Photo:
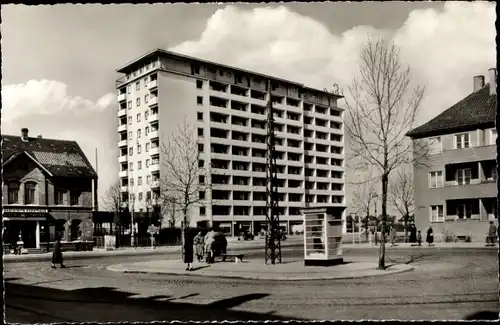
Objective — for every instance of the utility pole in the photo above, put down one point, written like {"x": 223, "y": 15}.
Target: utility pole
{"x": 273, "y": 245}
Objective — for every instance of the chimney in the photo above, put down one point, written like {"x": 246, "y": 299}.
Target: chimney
{"x": 24, "y": 134}
{"x": 478, "y": 82}
{"x": 492, "y": 74}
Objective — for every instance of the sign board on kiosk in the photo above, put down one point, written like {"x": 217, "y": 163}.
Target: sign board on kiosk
{"x": 323, "y": 236}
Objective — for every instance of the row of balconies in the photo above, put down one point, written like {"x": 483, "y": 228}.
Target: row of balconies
{"x": 153, "y": 169}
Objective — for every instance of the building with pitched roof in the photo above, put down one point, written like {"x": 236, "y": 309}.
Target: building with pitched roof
{"x": 49, "y": 187}
{"x": 455, "y": 189}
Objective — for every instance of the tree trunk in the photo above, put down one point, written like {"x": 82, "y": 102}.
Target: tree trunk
{"x": 381, "y": 259}
{"x": 406, "y": 227}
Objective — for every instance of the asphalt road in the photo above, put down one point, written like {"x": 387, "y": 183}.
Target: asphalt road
{"x": 446, "y": 284}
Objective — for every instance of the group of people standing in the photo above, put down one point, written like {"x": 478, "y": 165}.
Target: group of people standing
{"x": 415, "y": 236}
{"x": 199, "y": 245}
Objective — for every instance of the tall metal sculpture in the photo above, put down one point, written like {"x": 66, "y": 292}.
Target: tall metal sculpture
{"x": 273, "y": 236}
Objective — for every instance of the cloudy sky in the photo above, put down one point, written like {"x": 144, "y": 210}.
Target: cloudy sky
{"x": 59, "y": 62}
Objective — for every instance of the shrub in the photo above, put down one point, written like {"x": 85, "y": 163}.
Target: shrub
{"x": 468, "y": 239}
{"x": 448, "y": 236}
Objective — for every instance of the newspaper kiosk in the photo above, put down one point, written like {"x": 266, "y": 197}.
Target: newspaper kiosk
{"x": 323, "y": 236}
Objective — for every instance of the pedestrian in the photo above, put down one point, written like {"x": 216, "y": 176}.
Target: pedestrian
{"x": 430, "y": 236}
{"x": 393, "y": 235}
{"x": 375, "y": 234}
{"x": 413, "y": 234}
{"x": 188, "y": 251}
{"x": 209, "y": 240}
{"x": 57, "y": 257}
{"x": 199, "y": 243}
{"x": 419, "y": 238}
{"x": 370, "y": 238}
{"x": 492, "y": 234}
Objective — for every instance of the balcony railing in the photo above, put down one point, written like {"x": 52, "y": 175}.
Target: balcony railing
{"x": 121, "y": 98}
{"x": 154, "y": 151}
{"x": 122, "y": 159}
{"x": 122, "y": 143}
{"x": 123, "y": 174}
{"x": 154, "y": 168}
{"x": 122, "y": 128}
{"x": 153, "y": 135}
{"x": 124, "y": 188}
{"x": 153, "y": 118}
{"x": 153, "y": 101}
{"x": 155, "y": 184}
{"x": 122, "y": 112}
{"x": 153, "y": 84}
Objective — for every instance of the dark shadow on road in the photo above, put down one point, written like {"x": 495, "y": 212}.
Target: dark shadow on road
{"x": 33, "y": 304}
{"x": 200, "y": 267}
{"x": 483, "y": 315}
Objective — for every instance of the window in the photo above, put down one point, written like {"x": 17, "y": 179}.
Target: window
{"x": 199, "y": 100}
{"x": 138, "y": 101}
{"x": 13, "y": 192}
{"x": 435, "y": 145}
{"x": 146, "y": 114}
{"x": 148, "y": 179}
{"x": 147, "y": 146}
{"x": 137, "y": 85}
{"x": 130, "y": 135}
{"x": 464, "y": 210}
{"x": 131, "y": 181}
{"x": 138, "y": 117}
{"x": 138, "y": 149}
{"x": 201, "y": 179}
{"x": 130, "y": 120}
{"x": 129, "y": 104}
{"x": 463, "y": 176}
{"x": 200, "y": 147}
{"x": 199, "y": 84}
{"x": 436, "y": 179}
{"x": 140, "y": 196}
{"x": 437, "y": 214}
{"x": 138, "y": 133}
{"x": 146, "y": 81}
{"x": 146, "y": 98}
{"x": 139, "y": 165}
{"x": 202, "y": 211}
{"x": 462, "y": 140}
{"x": 147, "y": 130}
{"x": 139, "y": 180}
{"x": 147, "y": 162}
{"x": 131, "y": 167}
{"x": 59, "y": 197}
{"x": 129, "y": 88}
{"x": 75, "y": 197}
{"x": 200, "y": 132}
{"x": 130, "y": 151}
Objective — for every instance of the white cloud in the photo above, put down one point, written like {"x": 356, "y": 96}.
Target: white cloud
{"x": 45, "y": 108}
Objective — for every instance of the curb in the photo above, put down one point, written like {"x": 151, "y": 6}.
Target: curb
{"x": 406, "y": 268}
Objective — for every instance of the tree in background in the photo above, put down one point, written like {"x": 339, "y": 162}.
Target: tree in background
{"x": 401, "y": 195}
{"x": 112, "y": 201}
{"x": 364, "y": 197}
{"x": 381, "y": 109}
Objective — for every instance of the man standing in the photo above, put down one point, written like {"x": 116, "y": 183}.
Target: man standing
{"x": 492, "y": 234}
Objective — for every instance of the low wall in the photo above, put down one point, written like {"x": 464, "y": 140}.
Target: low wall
{"x": 477, "y": 230}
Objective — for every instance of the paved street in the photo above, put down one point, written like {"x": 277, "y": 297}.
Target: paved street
{"x": 445, "y": 284}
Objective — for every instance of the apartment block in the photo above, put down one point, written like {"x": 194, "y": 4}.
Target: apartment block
{"x": 162, "y": 90}
{"x": 456, "y": 190}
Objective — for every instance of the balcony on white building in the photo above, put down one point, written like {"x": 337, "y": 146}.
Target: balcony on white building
{"x": 122, "y": 143}
{"x": 124, "y": 188}
{"x": 122, "y": 159}
{"x": 122, "y": 112}
{"x": 122, "y": 98}
{"x": 153, "y": 118}
{"x": 122, "y": 128}
{"x": 153, "y": 101}
{"x": 155, "y": 185}
{"x": 153, "y": 84}
{"x": 153, "y": 135}
{"x": 154, "y": 151}
{"x": 154, "y": 168}
{"x": 123, "y": 174}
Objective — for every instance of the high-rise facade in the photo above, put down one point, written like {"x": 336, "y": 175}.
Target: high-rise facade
{"x": 162, "y": 90}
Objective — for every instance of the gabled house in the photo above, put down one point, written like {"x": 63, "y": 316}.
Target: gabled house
{"x": 49, "y": 187}
{"x": 456, "y": 190}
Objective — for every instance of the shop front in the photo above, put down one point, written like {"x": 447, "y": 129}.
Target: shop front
{"x": 28, "y": 225}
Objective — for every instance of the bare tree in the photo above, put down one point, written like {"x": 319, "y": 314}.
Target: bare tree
{"x": 364, "y": 196}
{"x": 382, "y": 108}
{"x": 401, "y": 194}
{"x": 181, "y": 186}
{"x": 112, "y": 200}
{"x": 170, "y": 210}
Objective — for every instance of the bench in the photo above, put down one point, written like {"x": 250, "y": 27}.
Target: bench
{"x": 238, "y": 258}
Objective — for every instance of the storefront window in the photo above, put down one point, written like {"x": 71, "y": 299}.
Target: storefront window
{"x": 29, "y": 193}
{"x": 13, "y": 192}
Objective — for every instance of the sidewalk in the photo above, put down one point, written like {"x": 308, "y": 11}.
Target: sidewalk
{"x": 388, "y": 246}
{"x": 292, "y": 270}
{"x": 130, "y": 251}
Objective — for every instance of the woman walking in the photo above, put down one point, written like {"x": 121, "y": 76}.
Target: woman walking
{"x": 57, "y": 257}
{"x": 393, "y": 234}
{"x": 430, "y": 236}
{"x": 199, "y": 243}
{"x": 188, "y": 251}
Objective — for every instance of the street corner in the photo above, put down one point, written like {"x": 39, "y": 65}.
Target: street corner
{"x": 258, "y": 270}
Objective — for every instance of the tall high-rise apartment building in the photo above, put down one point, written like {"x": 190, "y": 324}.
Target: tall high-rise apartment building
{"x": 162, "y": 90}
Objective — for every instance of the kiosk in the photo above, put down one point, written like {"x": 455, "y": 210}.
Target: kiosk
{"x": 323, "y": 236}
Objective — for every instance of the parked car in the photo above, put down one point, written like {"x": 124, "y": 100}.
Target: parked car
{"x": 246, "y": 235}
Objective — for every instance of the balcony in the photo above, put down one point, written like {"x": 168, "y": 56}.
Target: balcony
{"x": 122, "y": 98}
{"x": 153, "y": 101}
{"x": 153, "y": 118}
{"x": 153, "y": 84}
{"x": 122, "y": 159}
{"x": 154, "y": 168}
{"x": 123, "y": 174}
{"x": 124, "y": 188}
{"x": 469, "y": 191}
{"x": 153, "y": 135}
{"x": 154, "y": 151}
{"x": 122, "y": 128}
{"x": 155, "y": 185}
{"x": 122, "y": 143}
{"x": 122, "y": 112}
